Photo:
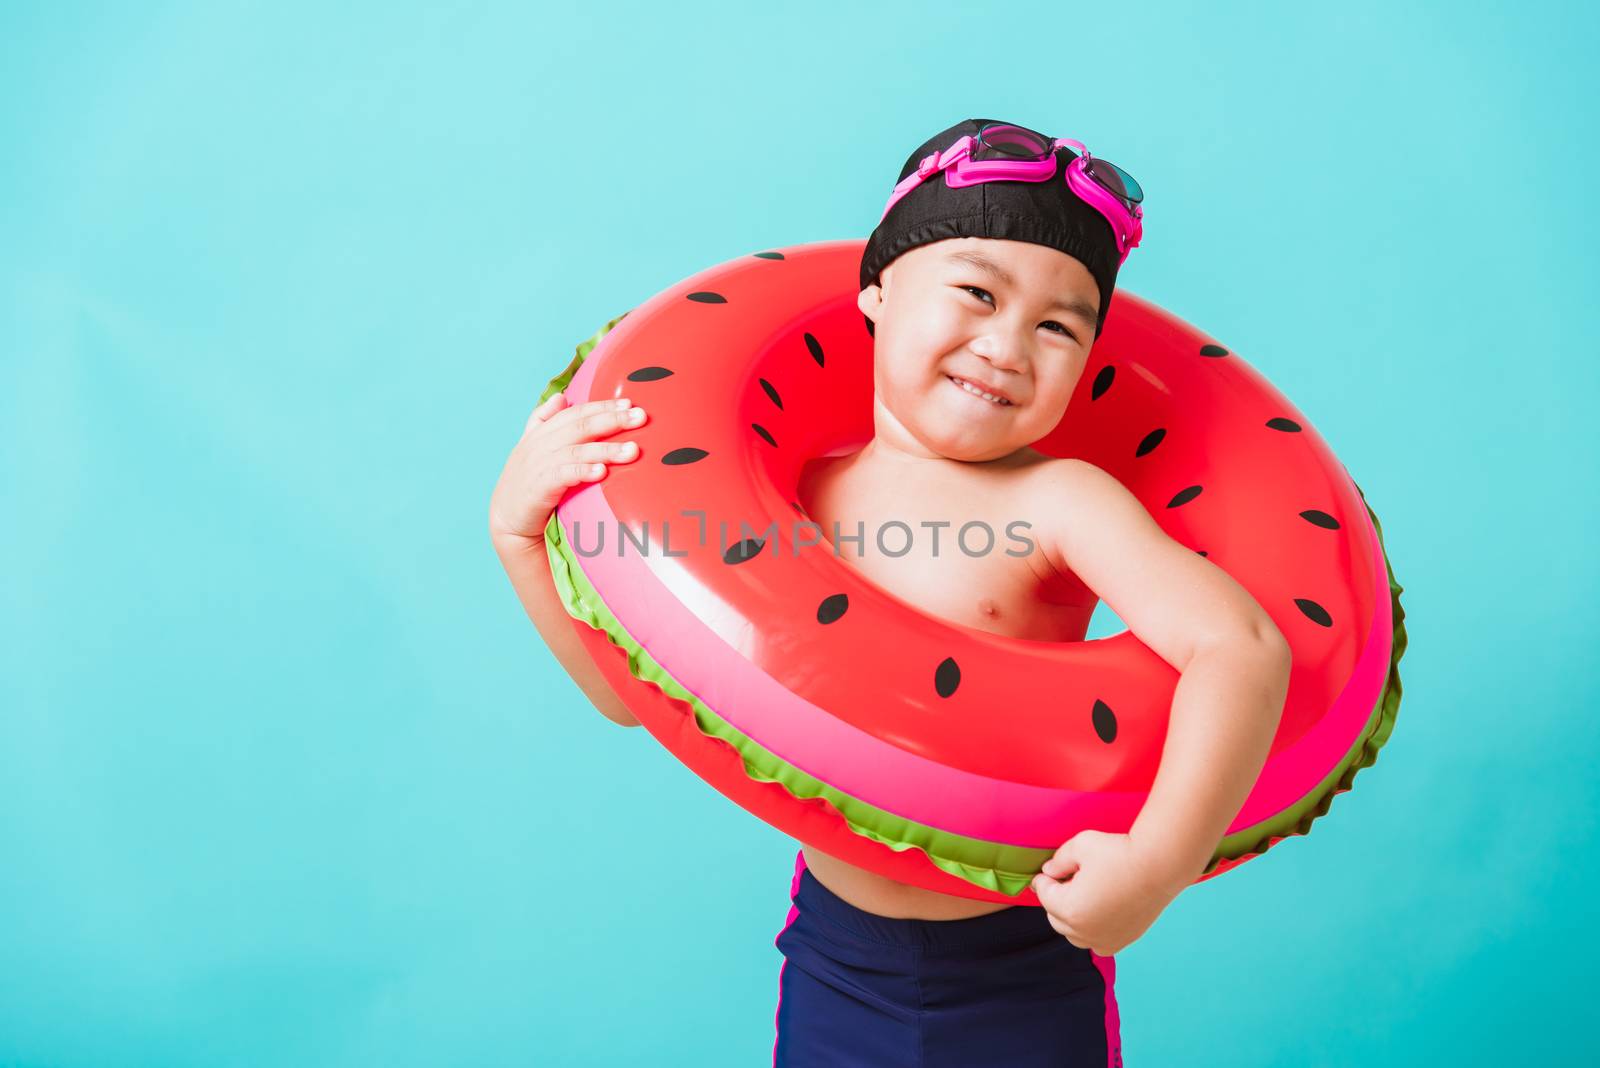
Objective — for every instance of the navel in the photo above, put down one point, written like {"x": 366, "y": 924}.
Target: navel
{"x": 989, "y": 608}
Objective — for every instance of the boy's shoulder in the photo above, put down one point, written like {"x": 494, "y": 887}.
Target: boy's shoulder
{"x": 1085, "y": 509}
{"x": 1076, "y": 483}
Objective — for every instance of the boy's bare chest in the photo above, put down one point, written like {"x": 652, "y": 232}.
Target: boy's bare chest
{"x": 966, "y": 551}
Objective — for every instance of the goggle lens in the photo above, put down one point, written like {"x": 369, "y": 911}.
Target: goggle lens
{"x": 1118, "y": 182}
{"x": 1000, "y": 141}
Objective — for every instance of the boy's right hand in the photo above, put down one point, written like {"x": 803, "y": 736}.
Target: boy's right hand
{"x": 558, "y": 450}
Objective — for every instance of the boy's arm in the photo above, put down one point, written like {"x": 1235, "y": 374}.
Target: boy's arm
{"x": 1232, "y": 659}
{"x": 528, "y": 566}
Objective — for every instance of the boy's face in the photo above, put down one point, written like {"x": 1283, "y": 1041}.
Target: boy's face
{"x": 939, "y": 316}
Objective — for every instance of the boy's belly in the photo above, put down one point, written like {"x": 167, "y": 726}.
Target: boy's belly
{"x": 885, "y": 897}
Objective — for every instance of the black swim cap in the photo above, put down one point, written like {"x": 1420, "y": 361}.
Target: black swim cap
{"x": 1044, "y": 213}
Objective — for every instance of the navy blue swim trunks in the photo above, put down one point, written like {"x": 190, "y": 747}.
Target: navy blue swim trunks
{"x": 859, "y": 990}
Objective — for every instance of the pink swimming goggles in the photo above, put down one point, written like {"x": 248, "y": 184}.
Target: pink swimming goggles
{"x": 1002, "y": 152}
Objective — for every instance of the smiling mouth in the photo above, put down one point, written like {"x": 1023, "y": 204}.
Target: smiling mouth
{"x": 974, "y": 391}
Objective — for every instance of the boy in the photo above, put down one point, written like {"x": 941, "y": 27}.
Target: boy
{"x": 984, "y": 298}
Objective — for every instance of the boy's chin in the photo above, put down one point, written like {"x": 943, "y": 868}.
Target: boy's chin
{"x": 972, "y": 448}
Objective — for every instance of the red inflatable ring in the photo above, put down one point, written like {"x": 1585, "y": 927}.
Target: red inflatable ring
{"x": 933, "y": 753}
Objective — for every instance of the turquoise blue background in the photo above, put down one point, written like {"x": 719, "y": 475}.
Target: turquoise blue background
{"x": 288, "y": 778}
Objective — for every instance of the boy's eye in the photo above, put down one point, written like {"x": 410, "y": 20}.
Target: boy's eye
{"x": 1064, "y": 331}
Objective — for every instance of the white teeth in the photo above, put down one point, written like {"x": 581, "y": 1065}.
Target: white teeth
{"x": 975, "y": 391}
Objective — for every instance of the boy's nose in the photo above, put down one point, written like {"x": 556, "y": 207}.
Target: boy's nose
{"x": 1002, "y": 355}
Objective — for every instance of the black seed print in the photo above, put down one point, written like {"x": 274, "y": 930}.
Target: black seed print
{"x": 770, "y": 255}
{"x": 1184, "y": 496}
{"x": 1202, "y": 552}
{"x": 816, "y": 348}
{"x": 1105, "y": 721}
{"x": 1314, "y": 611}
{"x": 832, "y": 608}
{"x": 686, "y": 455}
{"x": 759, "y": 429}
{"x": 648, "y": 374}
{"x": 1102, "y": 381}
{"x": 1321, "y": 519}
{"x": 771, "y": 393}
{"x": 946, "y": 677}
{"x": 1288, "y": 426}
{"x": 1213, "y": 350}
{"x": 745, "y": 550}
{"x": 1150, "y": 440}
{"x": 708, "y": 297}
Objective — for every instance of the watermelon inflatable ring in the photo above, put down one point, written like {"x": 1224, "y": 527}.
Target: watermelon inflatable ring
{"x": 929, "y": 752}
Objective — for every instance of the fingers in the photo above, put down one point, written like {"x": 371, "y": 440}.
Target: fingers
{"x": 555, "y": 454}
{"x": 586, "y": 461}
{"x": 593, "y": 419}
{"x": 1065, "y": 860}
{"x": 1065, "y": 930}
{"x": 1061, "y": 926}
{"x": 574, "y": 473}
{"x": 617, "y": 452}
{"x": 557, "y": 450}
{"x": 1060, "y": 868}
{"x": 1047, "y": 889}
{"x": 551, "y": 405}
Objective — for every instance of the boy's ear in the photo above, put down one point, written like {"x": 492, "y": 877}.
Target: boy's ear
{"x": 869, "y": 300}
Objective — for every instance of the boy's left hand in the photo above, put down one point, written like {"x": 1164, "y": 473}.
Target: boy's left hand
{"x": 1115, "y": 891}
